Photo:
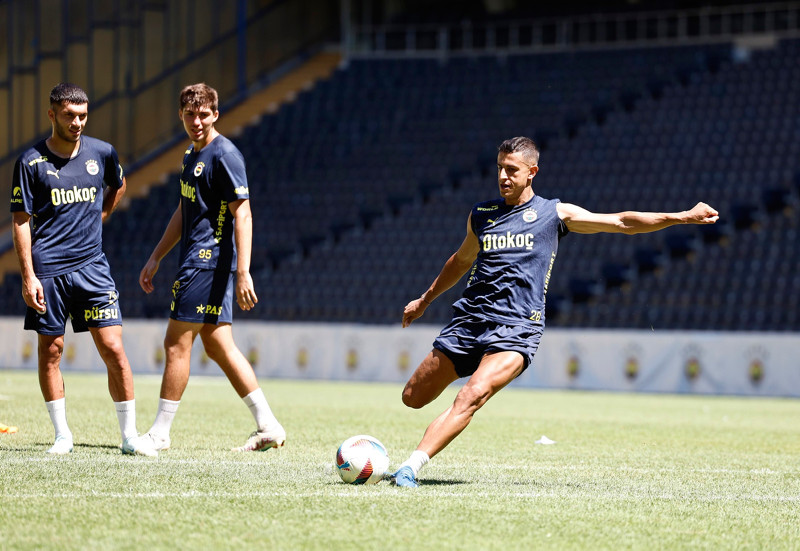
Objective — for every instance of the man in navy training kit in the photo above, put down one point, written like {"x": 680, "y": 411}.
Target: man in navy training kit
{"x": 215, "y": 228}
{"x": 64, "y": 187}
{"x": 510, "y": 246}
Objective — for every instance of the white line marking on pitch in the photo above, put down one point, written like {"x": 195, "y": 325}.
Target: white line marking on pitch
{"x": 532, "y": 469}
{"x": 623, "y": 468}
{"x": 366, "y": 495}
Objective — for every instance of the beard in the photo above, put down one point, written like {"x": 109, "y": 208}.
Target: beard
{"x": 63, "y": 133}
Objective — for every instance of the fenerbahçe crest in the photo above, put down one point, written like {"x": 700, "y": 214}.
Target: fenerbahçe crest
{"x": 92, "y": 167}
{"x": 198, "y": 169}
{"x": 529, "y": 215}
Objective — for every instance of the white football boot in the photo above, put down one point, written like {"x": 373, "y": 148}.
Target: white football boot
{"x": 136, "y": 445}
{"x": 262, "y": 441}
{"x": 62, "y": 446}
{"x": 158, "y": 443}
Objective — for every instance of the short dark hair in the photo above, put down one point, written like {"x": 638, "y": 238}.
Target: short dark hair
{"x": 66, "y": 92}
{"x": 199, "y": 95}
{"x": 521, "y": 144}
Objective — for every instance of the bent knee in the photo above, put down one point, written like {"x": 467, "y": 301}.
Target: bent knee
{"x": 216, "y": 355}
{"x": 472, "y": 397}
{"x": 413, "y": 399}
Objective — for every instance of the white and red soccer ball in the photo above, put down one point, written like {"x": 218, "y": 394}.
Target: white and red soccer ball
{"x": 362, "y": 459}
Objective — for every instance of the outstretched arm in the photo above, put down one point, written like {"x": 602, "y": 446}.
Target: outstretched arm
{"x": 580, "y": 220}
{"x": 452, "y": 271}
{"x": 172, "y": 234}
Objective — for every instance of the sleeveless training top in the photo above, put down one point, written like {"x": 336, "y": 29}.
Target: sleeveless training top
{"x": 518, "y": 245}
{"x": 65, "y": 200}
{"x": 210, "y": 180}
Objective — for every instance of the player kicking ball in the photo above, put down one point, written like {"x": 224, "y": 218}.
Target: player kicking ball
{"x": 214, "y": 226}
{"x": 510, "y": 247}
{"x": 64, "y": 188}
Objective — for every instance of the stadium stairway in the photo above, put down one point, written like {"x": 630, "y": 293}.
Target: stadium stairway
{"x": 232, "y": 123}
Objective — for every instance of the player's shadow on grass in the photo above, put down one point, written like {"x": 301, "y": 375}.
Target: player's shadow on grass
{"x": 424, "y": 482}
{"x": 47, "y": 445}
{"x": 97, "y": 446}
{"x": 441, "y": 482}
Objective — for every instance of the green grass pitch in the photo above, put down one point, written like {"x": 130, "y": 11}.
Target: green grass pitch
{"x": 627, "y": 472}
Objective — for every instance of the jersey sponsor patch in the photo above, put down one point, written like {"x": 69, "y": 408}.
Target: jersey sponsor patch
{"x": 96, "y": 314}
{"x": 494, "y": 242}
{"x": 223, "y": 208}
{"x": 59, "y": 196}
{"x": 37, "y": 160}
{"x": 188, "y": 191}
{"x": 16, "y": 195}
{"x": 209, "y": 309}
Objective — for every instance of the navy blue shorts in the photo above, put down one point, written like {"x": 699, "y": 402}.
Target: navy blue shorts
{"x": 87, "y": 295}
{"x": 202, "y": 296}
{"x": 465, "y": 342}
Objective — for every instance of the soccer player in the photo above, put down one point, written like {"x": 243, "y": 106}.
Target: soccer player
{"x": 64, "y": 187}
{"x": 509, "y": 249}
{"x": 214, "y": 225}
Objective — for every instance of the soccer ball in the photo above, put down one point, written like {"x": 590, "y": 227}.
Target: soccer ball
{"x": 362, "y": 459}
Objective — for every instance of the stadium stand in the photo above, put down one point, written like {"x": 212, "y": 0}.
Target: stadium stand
{"x": 361, "y": 187}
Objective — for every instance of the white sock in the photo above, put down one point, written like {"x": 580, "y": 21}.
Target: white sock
{"x": 416, "y": 460}
{"x": 126, "y": 415}
{"x": 58, "y": 415}
{"x": 257, "y": 403}
{"x": 164, "y": 417}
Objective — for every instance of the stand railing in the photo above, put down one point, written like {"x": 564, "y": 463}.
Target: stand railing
{"x": 594, "y": 31}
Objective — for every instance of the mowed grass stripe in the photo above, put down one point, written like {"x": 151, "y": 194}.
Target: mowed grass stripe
{"x": 628, "y": 472}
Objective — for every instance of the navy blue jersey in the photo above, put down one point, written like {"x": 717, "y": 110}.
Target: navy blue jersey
{"x": 518, "y": 246}
{"x": 210, "y": 180}
{"x": 65, "y": 200}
